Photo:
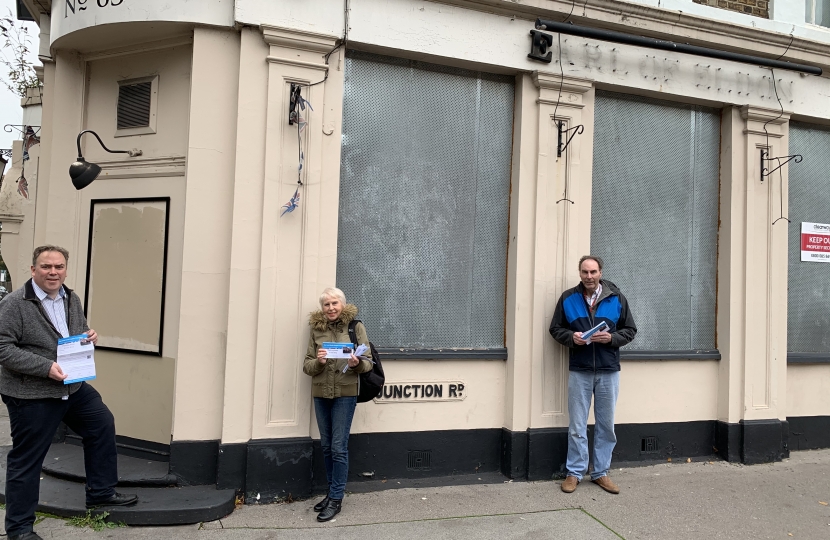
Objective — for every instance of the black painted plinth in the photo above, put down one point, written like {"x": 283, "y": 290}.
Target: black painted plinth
{"x": 764, "y": 441}
{"x": 278, "y": 469}
{"x": 66, "y": 461}
{"x": 547, "y": 450}
{"x": 728, "y": 441}
{"x": 809, "y": 432}
{"x": 194, "y": 462}
{"x": 232, "y": 466}
{"x": 514, "y": 453}
{"x": 753, "y": 441}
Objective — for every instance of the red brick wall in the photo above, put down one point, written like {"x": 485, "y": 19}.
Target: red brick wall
{"x": 759, "y": 8}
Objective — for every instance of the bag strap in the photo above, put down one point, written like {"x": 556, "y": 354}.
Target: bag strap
{"x": 352, "y": 333}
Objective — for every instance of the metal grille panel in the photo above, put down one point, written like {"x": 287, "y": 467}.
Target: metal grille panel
{"x": 808, "y": 317}
{"x": 424, "y": 188}
{"x": 654, "y": 215}
{"x": 134, "y": 105}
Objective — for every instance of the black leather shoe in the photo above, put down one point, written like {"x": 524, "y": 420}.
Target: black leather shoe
{"x": 320, "y": 506}
{"x": 116, "y": 500}
{"x": 24, "y": 536}
{"x": 330, "y": 511}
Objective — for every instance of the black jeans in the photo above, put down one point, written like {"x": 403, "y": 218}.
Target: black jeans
{"x": 33, "y": 424}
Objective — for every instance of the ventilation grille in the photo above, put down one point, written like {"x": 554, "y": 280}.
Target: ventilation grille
{"x": 418, "y": 460}
{"x": 648, "y": 445}
{"x": 134, "y": 105}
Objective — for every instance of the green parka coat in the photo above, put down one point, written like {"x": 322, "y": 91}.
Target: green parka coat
{"x": 328, "y": 380}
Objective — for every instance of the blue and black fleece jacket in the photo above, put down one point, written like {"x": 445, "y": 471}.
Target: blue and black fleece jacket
{"x": 573, "y": 314}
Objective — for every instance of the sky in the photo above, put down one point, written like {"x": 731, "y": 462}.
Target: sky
{"x": 10, "y": 111}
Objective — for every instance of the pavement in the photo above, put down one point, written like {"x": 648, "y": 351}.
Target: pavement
{"x": 673, "y": 501}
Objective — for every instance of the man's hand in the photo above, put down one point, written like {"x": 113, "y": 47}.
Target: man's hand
{"x": 92, "y": 336}
{"x": 56, "y": 373}
{"x": 321, "y": 356}
{"x": 601, "y": 337}
{"x": 578, "y": 339}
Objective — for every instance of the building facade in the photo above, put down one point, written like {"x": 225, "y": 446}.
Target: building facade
{"x": 447, "y": 176}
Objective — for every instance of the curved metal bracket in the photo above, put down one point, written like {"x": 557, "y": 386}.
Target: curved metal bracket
{"x": 21, "y": 128}
{"x": 781, "y": 162}
{"x": 560, "y": 127}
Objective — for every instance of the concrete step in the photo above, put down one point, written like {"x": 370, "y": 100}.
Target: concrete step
{"x": 66, "y": 461}
{"x": 156, "y": 505}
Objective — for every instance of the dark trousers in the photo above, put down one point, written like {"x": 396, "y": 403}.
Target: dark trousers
{"x": 33, "y": 425}
{"x": 334, "y": 418}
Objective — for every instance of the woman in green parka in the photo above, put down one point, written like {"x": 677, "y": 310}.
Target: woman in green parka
{"x": 334, "y": 389}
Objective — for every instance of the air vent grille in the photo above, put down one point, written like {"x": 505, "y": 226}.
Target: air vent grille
{"x": 418, "y": 460}
{"x": 134, "y": 105}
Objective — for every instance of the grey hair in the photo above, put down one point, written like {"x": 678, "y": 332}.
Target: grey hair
{"x": 332, "y": 292}
{"x": 590, "y": 258}
{"x": 43, "y": 249}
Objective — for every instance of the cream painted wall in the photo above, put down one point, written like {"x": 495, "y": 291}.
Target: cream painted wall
{"x": 482, "y": 408}
{"x": 211, "y": 161}
{"x": 808, "y": 388}
{"x": 172, "y": 65}
{"x": 139, "y": 392}
{"x": 667, "y": 391}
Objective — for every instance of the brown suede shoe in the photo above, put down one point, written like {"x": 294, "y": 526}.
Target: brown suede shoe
{"x": 605, "y": 483}
{"x": 569, "y": 485}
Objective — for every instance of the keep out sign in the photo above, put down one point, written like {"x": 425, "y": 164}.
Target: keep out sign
{"x": 815, "y": 242}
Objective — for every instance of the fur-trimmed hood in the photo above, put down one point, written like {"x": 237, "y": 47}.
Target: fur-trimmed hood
{"x": 317, "y": 319}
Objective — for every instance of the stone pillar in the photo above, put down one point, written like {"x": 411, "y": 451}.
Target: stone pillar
{"x": 203, "y": 315}
{"x": 752, "y": 295}
{"x": 298, "y": 254}
{"x": 562, "y": 235}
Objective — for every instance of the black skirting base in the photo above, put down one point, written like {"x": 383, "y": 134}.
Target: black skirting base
{"x": 282, "y": 469}
{"x": 753, "y": 441}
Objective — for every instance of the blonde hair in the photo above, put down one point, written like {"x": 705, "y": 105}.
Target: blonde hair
{"x": 332, "y": 292}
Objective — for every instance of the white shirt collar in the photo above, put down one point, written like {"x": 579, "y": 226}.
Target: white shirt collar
{"x": 42, "y": 295}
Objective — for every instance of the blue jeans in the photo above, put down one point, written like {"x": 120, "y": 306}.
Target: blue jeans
{"x": 604, "y": 386}
{"x": 33, "y": 424}
{"x": 334, "y": 418}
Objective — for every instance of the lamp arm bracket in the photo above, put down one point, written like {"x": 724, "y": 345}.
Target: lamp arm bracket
{"x": 80, "y": 156}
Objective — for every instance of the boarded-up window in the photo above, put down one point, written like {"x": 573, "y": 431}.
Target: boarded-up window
{"x": 654, "y": 215}
{"x": 126, "y": 273}
{"x": 424, "y": 195}
{"x": 808, "y": 316}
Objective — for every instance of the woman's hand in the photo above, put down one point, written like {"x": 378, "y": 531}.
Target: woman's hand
{"x": 321, "y": 356}
{"x": 353, "y": 361}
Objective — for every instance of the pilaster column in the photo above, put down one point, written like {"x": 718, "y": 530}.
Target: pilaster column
{"x": 562, "y": 235}
{"x": 298, "y": 251}
{"x": 752, "y": 313}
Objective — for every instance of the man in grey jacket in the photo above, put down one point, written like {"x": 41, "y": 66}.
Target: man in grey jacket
{"x": 32, "y": 319}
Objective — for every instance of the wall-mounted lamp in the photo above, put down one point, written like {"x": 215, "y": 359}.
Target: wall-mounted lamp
{"x": 82, "y": 172}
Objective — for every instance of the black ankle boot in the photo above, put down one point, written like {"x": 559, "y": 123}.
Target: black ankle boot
{"x": 320, "y": 506}
{"x": 330, "y": 511}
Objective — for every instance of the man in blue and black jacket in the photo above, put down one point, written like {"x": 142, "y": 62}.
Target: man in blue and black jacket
{"x": 594, "y": 368}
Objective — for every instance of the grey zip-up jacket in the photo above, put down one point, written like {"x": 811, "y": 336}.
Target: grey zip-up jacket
{"x": 29, "y": 344}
